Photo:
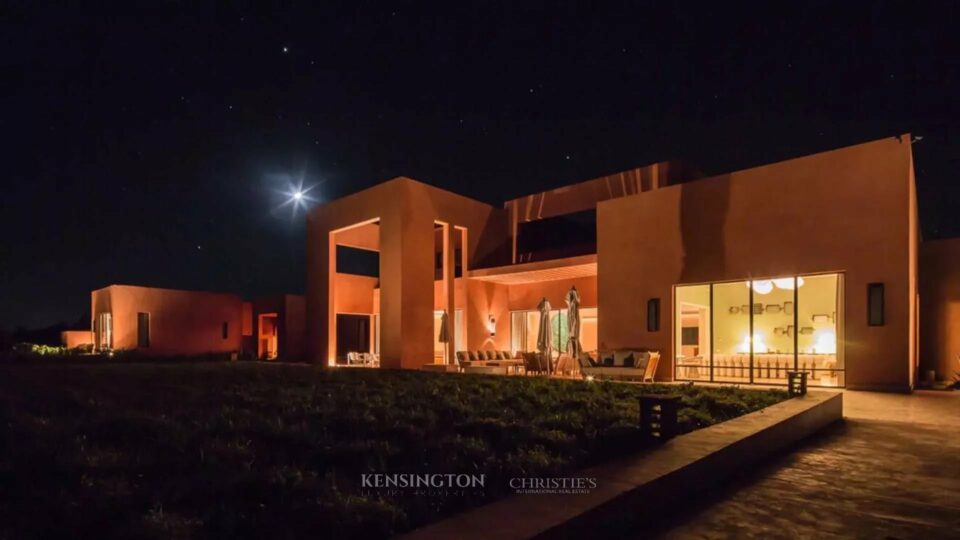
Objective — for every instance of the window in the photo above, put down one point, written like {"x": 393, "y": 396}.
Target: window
{"x": 225, "y": 330}
{"x": 143, "y": 330}
{"x": 875, "y": 304}
{"x": 103, "y": 328}
{"x": 653, "y": 315}
{"x": 755, "y": 331}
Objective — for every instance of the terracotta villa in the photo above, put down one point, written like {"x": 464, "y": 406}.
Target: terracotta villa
{"x": 814, "y": 264}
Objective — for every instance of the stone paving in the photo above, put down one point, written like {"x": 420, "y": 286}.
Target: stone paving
{"x": 891, "y": 469}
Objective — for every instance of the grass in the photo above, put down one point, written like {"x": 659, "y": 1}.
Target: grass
{"x": 253, "y": 450}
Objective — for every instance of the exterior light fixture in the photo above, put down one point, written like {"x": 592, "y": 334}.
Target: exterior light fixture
{"x": 492, "y": 325}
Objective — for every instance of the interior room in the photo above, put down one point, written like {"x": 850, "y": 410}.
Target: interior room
{"x": 755, "y": 331}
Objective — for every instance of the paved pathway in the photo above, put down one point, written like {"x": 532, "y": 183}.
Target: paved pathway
{"x": 890, "y": 470}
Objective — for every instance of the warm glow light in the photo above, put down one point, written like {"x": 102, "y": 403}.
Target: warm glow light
{"x": 787, "y": 283}
{"x": 760, "y": 286}
{"x": 825, "y": 341}
{"x": 758, "y": 345}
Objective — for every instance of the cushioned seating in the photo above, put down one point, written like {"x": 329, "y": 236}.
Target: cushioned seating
{"x": 622, "y": 364}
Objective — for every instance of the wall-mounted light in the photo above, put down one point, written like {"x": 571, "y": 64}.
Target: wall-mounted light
{"x": 492, "y": 325}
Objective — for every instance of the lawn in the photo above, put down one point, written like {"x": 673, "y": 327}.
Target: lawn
{"x": 254, "y": 450}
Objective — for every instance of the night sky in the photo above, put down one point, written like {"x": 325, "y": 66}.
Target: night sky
{"x": 155, "y": 147}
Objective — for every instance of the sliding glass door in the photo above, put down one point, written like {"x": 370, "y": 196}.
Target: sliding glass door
{"x": 755, "y": 331}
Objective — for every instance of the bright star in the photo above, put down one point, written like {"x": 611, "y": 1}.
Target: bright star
{"x": 298, "y": 195}
{"x": 286, "y": 50}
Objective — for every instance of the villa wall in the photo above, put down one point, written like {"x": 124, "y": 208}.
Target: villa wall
{"x": 355, "y": 294}
{"x": 849, "y": 210}
{"x": 75, "y": 338}
{"x": 181, "y": 322}
{"x": 528, "y": 295}
{"x": 940, "y": 307}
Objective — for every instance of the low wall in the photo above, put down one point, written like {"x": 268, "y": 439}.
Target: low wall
{"x": 635, "y": 490}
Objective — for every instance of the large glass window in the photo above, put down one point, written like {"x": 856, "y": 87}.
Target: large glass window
{"x": 756, "y": 331}
{"x": 820, "y": 330}
{"x": 525, "y": 327}
{"x": 731, "y": 332}
{"x": 693, "y": 332}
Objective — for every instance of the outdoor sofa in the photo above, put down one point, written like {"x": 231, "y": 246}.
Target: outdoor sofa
{"x": 622, "y": 364}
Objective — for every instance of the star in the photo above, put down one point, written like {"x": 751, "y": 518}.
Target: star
{"x": 568, "y": 157}
{"x": 285, "y": 50}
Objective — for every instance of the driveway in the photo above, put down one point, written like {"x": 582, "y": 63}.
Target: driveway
{"x": 891, "y": 469}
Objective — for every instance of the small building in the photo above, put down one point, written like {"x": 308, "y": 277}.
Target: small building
{"x": 166, "y": 321}
{"x": 808, "y": 264}
{"x": 163, "y": 322}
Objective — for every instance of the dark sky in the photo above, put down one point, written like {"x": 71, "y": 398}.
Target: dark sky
{"x": 149, "y": 146}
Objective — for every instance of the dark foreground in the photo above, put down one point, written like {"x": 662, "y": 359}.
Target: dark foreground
{"x": 254, "y": 450}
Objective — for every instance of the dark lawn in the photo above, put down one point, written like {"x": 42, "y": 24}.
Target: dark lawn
{"x": 254, "y": 450}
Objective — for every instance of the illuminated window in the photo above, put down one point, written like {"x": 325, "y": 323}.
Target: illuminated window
{"x": 755, "y": 331}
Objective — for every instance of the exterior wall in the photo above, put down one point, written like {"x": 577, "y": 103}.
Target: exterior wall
{"x": 295, "y": 336}
{"x": 72, "y": 339}
{"x": 526, "y": 296}
{"x": 406, "y": 210}
{"x": 181, "y": 322}
{"x": 460, "y": 294}
{"x": 940, "y": 307}
{"x": 846, "y": 210}
{"x": 485, "y": 299}
{"x": 354, "y": 294}
{"x": 291, "y": 323}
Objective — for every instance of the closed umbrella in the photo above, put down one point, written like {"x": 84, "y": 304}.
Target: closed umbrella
{"x": 544, "y": 335}
{"x": 444, "y": 336}
{"x": 573, "y": 323}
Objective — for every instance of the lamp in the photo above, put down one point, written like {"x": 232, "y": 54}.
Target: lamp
{"x": 758, "y": 345}
{"x": 492, "y": 325}
{"x": 825, "y": 341}
{"x": 760, "y": 286}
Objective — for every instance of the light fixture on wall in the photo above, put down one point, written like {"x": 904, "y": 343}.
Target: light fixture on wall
{"x": 492, "y": 325}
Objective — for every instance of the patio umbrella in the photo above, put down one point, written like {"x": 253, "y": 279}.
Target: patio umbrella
{"x": 544, "y": 335}
{"x": 573, "y": 323}
{"x": 444, "y": 336}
